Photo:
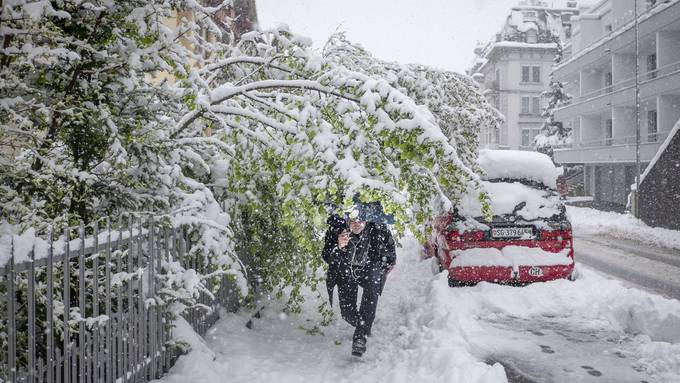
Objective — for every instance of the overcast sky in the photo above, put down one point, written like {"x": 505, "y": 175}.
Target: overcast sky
{"x": 440, "y": 33}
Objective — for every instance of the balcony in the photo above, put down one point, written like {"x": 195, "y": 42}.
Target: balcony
{"x": 659, "y": 81}
{"x": 650, "y": 21}
{"x": 611, "y": 150}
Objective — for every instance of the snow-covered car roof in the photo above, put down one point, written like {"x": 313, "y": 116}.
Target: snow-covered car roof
{"x": 517, "y": 164}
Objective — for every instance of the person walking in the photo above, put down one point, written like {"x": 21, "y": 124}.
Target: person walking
{"x": 359, "y": 250}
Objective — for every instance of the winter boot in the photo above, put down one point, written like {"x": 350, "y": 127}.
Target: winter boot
{"x": 359, "y": 346}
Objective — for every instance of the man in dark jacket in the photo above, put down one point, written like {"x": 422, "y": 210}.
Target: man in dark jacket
{"x": 358, "y": 253}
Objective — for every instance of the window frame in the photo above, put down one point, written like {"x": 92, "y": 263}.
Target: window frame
{"x": 608, "y": 132}
{"x": 522, "y": 110}
{"x": 652, "y": 134}
{"x": 531, "y": 74}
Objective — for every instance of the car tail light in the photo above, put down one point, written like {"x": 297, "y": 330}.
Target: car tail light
{"x": 473, "y": 236}
{"x": 453, "y": 236}
{"x": 457, "y": 240}
{"x": 556, "y": 235}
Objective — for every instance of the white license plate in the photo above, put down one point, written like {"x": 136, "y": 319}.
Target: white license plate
{"x": 512, "y": 232}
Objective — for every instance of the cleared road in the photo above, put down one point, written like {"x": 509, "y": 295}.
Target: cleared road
{"x": 654, "y": 268}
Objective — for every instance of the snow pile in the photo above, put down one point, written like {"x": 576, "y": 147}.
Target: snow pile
{"x": 627, "y": 310}
{"x": 516, "y": 164}
{"x": 625, "y": 226}
{"x": 661, "y": 359}
{"x": 510, "y": 256}
{"x": 505, "y": 196}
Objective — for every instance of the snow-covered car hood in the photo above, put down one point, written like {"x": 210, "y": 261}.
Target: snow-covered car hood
{"x": 505, "y": 196}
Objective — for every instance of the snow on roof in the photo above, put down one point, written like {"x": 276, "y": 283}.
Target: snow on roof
{"x": 517, "y": 44}
{"x": 516, "y": 164}
{"x": 659, "y": 152}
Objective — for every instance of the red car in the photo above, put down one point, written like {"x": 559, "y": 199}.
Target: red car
{"x": 529, "y": 238}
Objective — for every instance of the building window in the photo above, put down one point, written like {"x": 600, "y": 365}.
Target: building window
{"x": 531, "y": 73}
{"x": 652, "y": 127}
{"x": 608, "y": 81}
{"x": 525, "y": 105}
{"x": 528, "y": 136}
{"x": 536, "y": 73}
{"x": 532, "y": 37}
{"x": 567, "y": 30}
{"x": 608, "y": 132}
{"x": 529, "y": 16}
{"x": 651, "y": 66}
{"x": 536, "y": 104}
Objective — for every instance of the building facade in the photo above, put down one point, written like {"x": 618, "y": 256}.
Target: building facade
{"x": 598, "y": 71}
{"x": 514, "y": 69}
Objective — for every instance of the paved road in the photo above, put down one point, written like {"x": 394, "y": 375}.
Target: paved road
{"x": 654, "y": 268}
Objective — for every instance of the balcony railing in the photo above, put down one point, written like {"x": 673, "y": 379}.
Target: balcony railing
{"x": 646, "y": 77}
{"x": 629, "y": 22}
{"x": 651, "y": 138}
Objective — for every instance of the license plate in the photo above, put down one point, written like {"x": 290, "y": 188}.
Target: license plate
{"x": 536, "y": 272}
{"x": 512, "y": 232}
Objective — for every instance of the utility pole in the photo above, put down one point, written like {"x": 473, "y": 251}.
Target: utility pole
{"x": 637, "y": 111}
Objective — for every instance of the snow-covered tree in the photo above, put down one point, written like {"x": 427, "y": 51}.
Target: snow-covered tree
{"x": 244, "y": 144}
{"x": 553, "y": 133}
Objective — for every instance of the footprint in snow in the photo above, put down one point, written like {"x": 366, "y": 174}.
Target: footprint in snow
{"x": 592, "y": 371}
{"x": 547, "y": 349}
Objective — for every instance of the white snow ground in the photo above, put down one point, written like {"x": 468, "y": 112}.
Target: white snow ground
{"x": 591, "y": 330}
{"x": 587, "y": 221}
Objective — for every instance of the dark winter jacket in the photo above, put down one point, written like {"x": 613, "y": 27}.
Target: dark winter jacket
{"x": 380, "y": 250}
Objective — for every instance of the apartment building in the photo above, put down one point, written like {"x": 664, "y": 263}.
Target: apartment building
{"x": 514, "y": 69}
{"x": 598, "y": 71}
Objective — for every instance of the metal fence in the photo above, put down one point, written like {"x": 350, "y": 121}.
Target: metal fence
{"x": 109, "y": 285}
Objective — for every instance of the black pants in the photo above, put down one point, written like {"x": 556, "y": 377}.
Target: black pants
{"x": 370, "y": 279}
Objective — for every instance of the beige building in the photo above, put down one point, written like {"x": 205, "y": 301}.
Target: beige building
{"x": 514, "y": 68}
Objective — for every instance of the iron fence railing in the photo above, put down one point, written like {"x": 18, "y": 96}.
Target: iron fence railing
{"x": 94, "y": 309}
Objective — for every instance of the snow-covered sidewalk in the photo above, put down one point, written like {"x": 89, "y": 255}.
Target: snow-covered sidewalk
{"x": 428, "y": 332}
{"x": 587, "y": 221}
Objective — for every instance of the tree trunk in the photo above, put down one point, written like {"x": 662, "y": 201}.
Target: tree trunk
{"x": 245, "y": 17}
